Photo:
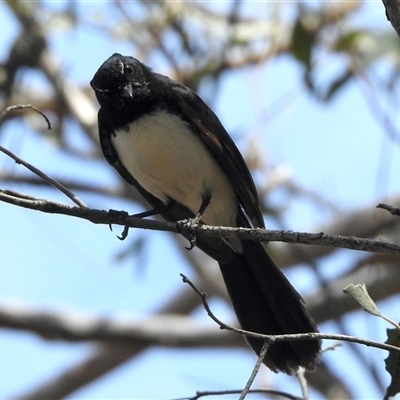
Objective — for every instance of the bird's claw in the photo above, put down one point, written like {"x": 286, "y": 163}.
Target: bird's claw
{"x": 122, "y": 215}
{"x": 124, "y": 233}
{"x": 185, "y": 227}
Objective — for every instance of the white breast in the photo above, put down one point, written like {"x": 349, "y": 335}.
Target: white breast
{"x": 170, "y": 161}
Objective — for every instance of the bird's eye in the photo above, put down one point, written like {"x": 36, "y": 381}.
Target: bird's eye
{"x": 128, "y": 69}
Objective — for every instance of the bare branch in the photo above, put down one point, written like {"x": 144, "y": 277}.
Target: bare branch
{"x": 200, "y": 394}
{"x": 92, "y": 215}
{"x": 21, "y": 107}
{"x": 188, "y": 228}
{"x": 367, "y": 221}
{"x": 158, "y": 330}
{"x": 300, "y": 375}
{"x": 329, "y": 303}
{"x": 87, "y": 187}
{"x": 391, "y": 209}
{"x": 287, "y": 337}
{"x": 45, "y": 177}
{"x": 105, "y": 356}
{"x": 101, "y": 360}
{"x": 256, "y": 368}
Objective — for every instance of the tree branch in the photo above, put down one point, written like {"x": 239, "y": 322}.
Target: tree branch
{"x": 287, "y": 337}
{"x": 22, "y": 107}
{"x": 86, "y": 187}
{"x": 187, "y": 228}
{"x": 200, "y": 394}
{"x": 104, "y": 356}
{"x": 166, "y": 330}
{"x": 44, "y": 176}
{"x": 256, "y": 368}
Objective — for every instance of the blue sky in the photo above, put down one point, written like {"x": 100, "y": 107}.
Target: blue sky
{"x": 55, "y": 262}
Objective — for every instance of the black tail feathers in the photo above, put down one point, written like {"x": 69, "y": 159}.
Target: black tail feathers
{"x": 265, "y": 302}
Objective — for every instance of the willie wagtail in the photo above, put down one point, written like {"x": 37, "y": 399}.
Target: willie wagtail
{"x": 163, "y": 139}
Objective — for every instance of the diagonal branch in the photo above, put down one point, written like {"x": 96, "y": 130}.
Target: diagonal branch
{"x": 44, "y": 176}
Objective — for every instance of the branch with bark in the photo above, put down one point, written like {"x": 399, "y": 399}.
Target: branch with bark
{"x": 189, "y": 228}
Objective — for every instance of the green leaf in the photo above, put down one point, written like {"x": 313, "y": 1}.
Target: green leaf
{"x": 360, "y": 294}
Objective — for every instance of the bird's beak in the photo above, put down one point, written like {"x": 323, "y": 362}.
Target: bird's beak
{"x": 127, "y": 91}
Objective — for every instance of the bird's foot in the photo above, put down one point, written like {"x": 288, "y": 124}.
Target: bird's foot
{"x": 186, "y": 228}
{"x": 122, "y": 216}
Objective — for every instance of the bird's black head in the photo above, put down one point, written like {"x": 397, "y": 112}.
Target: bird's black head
{"x": 120, "y": 79}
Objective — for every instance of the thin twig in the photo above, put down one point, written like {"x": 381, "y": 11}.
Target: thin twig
{"x": 200, "y": 394}
{"x": 331, "y": 347}
{"x": 21, "y": 107}
{"x": 288, "y": 337}
{"x": 29, "y": 166}
{"x": 93, "y": 215}
{"x": 72, "y": 184}
{"x": 303, "y": 382}
{"x": 393, "y": 210}
{"x": 203, "y": 297}
{"x": 256, "y": 368}
{"x": 44, "y": 176}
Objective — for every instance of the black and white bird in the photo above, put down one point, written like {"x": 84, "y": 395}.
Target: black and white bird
{"x": 163, "y": 139}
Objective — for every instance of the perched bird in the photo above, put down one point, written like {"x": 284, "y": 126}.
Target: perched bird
{"x": 163, "y": 139}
